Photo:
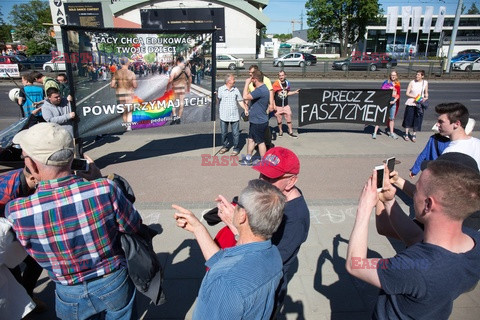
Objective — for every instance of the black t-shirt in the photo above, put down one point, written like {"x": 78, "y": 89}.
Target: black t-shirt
{"x": 422, "y": 281}
{"x": 280, "y": 95}
{"x": 293, "y": 230}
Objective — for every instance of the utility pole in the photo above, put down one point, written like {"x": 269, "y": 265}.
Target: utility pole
{"x": 454, "y": 35}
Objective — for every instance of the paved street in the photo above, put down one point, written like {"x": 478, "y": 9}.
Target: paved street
{"x": 169, "y": 165}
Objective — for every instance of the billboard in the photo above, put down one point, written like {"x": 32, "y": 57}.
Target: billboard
{"x": 129, "y": 79}
{"x": 343, "y": 105}
{"x": 84, "y": 14}
{"x": 186, "y": 19}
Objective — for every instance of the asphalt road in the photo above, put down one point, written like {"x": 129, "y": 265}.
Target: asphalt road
{"x": 466, "y": 92}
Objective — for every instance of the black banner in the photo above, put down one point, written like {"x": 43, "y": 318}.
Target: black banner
{"x": 343, "y": 105}
{"x": 186, "y": 19}
{"x": 84, "y": 14}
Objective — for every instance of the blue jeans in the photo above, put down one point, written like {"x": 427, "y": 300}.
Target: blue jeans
{"x": 113, "y": 294}
{"x": 235, "y": 132}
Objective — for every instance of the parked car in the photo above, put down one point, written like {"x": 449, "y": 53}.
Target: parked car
{"x": 469, "y": 64}
{"x": 37, "y": 61}
{"x": 470, "y": 51}
{"x": 461, "y": 57}
{"x": 299, "y": 59}
{"x": 364, "y": 62}
{"x": 227, "y": 61}
{"x": 12, "y": 60}
{"x": 388, "y": 62}
{"x": 55, "y": 64}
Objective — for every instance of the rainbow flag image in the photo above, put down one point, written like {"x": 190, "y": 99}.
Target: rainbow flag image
{"x": 418, "y": 99}
{"x": 157, "y": 116}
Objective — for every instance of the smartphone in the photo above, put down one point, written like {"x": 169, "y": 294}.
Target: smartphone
{"x": 391, "y": 164}
{"x": 79, "y": 164}
{"x": 380, "y": 172}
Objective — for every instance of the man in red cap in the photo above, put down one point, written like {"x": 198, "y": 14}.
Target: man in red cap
{"x": 280, "y": 167}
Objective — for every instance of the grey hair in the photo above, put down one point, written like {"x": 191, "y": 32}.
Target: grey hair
{"x": 264, "y": 204}
{"x": 228, "y": 76}
{"x": 62, "y": 155}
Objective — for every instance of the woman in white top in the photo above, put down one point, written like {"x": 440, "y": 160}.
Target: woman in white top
{"x": 413, "y": 116}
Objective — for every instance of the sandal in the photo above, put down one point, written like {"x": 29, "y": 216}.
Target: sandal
{"x": 280, "y": 133}
{"x": 406, "y": 138}
{"x": 414, "y": 138}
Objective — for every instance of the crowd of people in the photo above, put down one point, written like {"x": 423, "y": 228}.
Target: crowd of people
{"x": 69, "y": 223}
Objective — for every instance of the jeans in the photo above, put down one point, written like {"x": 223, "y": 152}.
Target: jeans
{"x": 113, "y": 294}
{"x": 235, "y": 132}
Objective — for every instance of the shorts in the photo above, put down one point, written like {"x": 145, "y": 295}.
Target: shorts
{"x": 392, "y": 111}
{"x": 284, "y": 111}
{"x": 412, "y": 119}
{"x": 256, "y": 132}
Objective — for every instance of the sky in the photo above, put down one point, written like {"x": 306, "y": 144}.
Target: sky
{"x": 281, "y": 12}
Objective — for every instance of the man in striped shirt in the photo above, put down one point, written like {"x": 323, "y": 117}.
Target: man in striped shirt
{"x": 71, "y": 228}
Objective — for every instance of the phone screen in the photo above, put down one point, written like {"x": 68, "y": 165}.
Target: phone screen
{"x": 80, "y": 164}
{"x": 391, "y": 164}
{"x": 380, "y": 173}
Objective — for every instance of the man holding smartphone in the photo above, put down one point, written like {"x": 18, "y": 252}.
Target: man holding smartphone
{"x": 413, "y": 282}
{"x": 71, "y": 228}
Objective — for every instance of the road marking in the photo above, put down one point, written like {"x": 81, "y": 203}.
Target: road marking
{"x": 91, "y": 94}
{"x": 476, "y": 100}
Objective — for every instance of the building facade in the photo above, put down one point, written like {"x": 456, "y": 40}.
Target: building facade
{"x": 239, "y": 24}
{"x": 424, "y": 44}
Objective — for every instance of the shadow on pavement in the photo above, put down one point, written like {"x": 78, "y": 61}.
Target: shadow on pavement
{"x": 344, "y": 293}
{"x": 156, "y": 148}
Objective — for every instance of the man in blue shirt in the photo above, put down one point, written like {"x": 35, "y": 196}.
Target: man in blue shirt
{"x": 440, "y": 262}
{"x": 241, "y": 281}
{"x": 258, "y": 117}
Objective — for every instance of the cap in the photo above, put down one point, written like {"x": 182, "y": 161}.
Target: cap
{"x": 278, "y": 161}
{"x": 457, "y": 157}
{"x": 44, "y": 139}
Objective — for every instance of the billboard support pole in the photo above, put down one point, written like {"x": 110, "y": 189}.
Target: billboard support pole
{"x": 213, "y": 74}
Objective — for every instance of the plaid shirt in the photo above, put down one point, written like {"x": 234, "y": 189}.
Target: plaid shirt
{"x": 71, "y": 227}
{"x": 229, "y": 99}
{"x": 10, "y": 188}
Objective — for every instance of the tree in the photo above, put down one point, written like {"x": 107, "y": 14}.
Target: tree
{"x": 342, "y": 20}
{"x": 473, "y": 9}
{"x": 32, "y": 22}
{"x": 283, "y": 37}
{"x": 5, "y": 35}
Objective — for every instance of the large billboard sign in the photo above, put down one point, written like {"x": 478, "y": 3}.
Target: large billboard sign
{"x": 190, "y": 19}
{"x": 129, "y": 79}
{"x": 343, "y": 105}
{"x": 84, "y": 14}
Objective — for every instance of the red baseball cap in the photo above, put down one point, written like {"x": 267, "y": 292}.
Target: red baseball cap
{"x": 278, "y": 161}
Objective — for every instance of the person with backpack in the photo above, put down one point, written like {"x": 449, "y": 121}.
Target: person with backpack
{"x": 30, "y": 96}
{"x": 45, "y": 81}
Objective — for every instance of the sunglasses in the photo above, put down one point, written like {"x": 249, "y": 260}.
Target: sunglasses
{"x": 273, "y": 180}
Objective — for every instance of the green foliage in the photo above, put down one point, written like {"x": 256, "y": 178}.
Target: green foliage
{"x": 283, "y": 36}
{"x": 32, "y": 25}
{"x": 473, "y": 9}
{"x": 342, "y": 20}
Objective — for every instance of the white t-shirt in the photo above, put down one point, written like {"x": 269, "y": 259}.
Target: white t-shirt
{"x": 469, "y": 147}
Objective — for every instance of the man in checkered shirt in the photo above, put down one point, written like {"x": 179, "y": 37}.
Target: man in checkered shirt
{"x": 229, "y": 97}
{"x": 71, "y": 228}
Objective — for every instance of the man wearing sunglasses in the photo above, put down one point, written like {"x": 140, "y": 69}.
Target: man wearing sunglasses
{"x": 241, "y": 280}
{"x": 280, "y": 167}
